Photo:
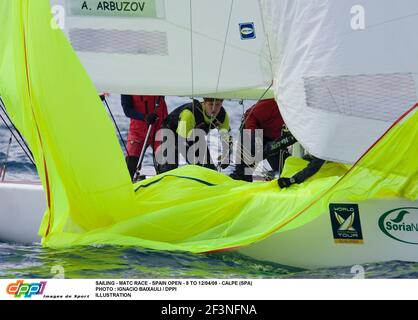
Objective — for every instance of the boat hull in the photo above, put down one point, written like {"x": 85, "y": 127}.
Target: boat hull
{"x": 315, "y": 245}
{"x": 21, "y": 209}
{"x": 318, "y": 243}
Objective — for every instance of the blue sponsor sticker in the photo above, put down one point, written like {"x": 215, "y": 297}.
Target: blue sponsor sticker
{"x": 247, "y": 30}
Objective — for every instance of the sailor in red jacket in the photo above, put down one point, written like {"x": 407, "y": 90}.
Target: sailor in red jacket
{"x": 143, "y": 111}
{"x": 263, "y": 115}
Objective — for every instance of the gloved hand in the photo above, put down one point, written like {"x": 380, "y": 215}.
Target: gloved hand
{"x": 285, "y": 182}
{"x": 223, "y": 163}
{"x": 151, "y": 118}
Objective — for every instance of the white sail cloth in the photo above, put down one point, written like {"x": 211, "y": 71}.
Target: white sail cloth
{"x": 145, "y": 47}
{"x": 344, "y": 71}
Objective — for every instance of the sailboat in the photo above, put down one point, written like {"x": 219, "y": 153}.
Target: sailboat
{"x": 340, "y": 107}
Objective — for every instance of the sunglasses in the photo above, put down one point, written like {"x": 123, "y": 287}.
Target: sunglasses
{"x": 213, "y": 100}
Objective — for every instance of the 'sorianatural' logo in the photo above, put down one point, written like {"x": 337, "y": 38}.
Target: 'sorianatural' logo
{"x": 401, "y": 224}
{"x": 247, "y": 30}
{"x": 345, "y": 221}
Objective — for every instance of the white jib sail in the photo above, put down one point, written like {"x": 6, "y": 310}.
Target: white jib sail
{"x": 145, "y": 47}
{"x": 344, "y": 70}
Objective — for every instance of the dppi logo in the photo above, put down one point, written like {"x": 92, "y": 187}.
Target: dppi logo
{"x": 401, "y": 224}
{"x": 27, "y": 290}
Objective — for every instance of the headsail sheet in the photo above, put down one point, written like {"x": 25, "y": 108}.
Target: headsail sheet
{"x": 90, "y": 197}
{"x": 344, "y": 71}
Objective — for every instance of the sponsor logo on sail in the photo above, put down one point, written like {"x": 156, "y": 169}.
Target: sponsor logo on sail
{"x": 345, "y": 221}
{"x": 21, "y": 289}
{"x": 401, "y": 224}
{"x": 247, "y": 30}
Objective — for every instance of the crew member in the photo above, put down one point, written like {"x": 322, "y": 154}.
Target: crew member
{"x": 144, "y": 111}
{"x": 264, "y": 115}
{"x": 183, "y": 121}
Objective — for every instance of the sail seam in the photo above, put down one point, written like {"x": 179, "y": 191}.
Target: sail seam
{"x": 48, "y": 190}
{"x": 175, "y": 176}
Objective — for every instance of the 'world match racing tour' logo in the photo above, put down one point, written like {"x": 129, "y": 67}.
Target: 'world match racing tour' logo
{"x": 401, "y": 224}
{"x": 27, "y": 290}
{"x": 345, "y": 220}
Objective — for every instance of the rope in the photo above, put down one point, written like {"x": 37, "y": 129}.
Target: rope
{"x": 13, "y": 134}
{"x": 4, "y": 167}
{"x": 212, "y": 118}
{"x": 191, "y": 52}
{"x": 224, "y": 47}
{"x": 259, "y": 99}
{"x": 116, "y": 125}
{"x": 3, "y": 108}
{"x": 246, "y": 155}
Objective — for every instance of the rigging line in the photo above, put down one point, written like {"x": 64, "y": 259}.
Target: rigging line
{"x": 222, "y": 57}
{"x": 191, "y": 51}
{"x": 212, "y": 118}
{"x": 191, "y": 57}
{"x": 246, "y": 154}
{"x": 224, "y": 48}
{"x": 243, "y": 151}
{"x": 3, "y": 108}
{"x": 267, "y": 37}
{"x": 11, "y": 131}
{"x": 116, "y": 125}
{"x": 3, "y": 169}
{"x": 247, "y": 157}
{"x": 259, "y": 99}
{"x": 381, "y": 23}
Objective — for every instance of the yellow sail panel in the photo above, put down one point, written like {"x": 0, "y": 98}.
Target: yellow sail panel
{"x": 53, "y": 102}
{"x": 198, "y": 210}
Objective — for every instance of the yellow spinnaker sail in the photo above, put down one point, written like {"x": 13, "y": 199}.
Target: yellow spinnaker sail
{"x": 90, "y": 197}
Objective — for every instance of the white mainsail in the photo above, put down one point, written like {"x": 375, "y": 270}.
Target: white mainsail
{"x": 344, "y": 71}
{"x": 144, "y": 47}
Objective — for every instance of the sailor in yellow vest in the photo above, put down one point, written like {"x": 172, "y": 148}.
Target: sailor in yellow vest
{"x": 183, "y": 121}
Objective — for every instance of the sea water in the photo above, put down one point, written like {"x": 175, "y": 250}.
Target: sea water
{"x": 33, "y": 261}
